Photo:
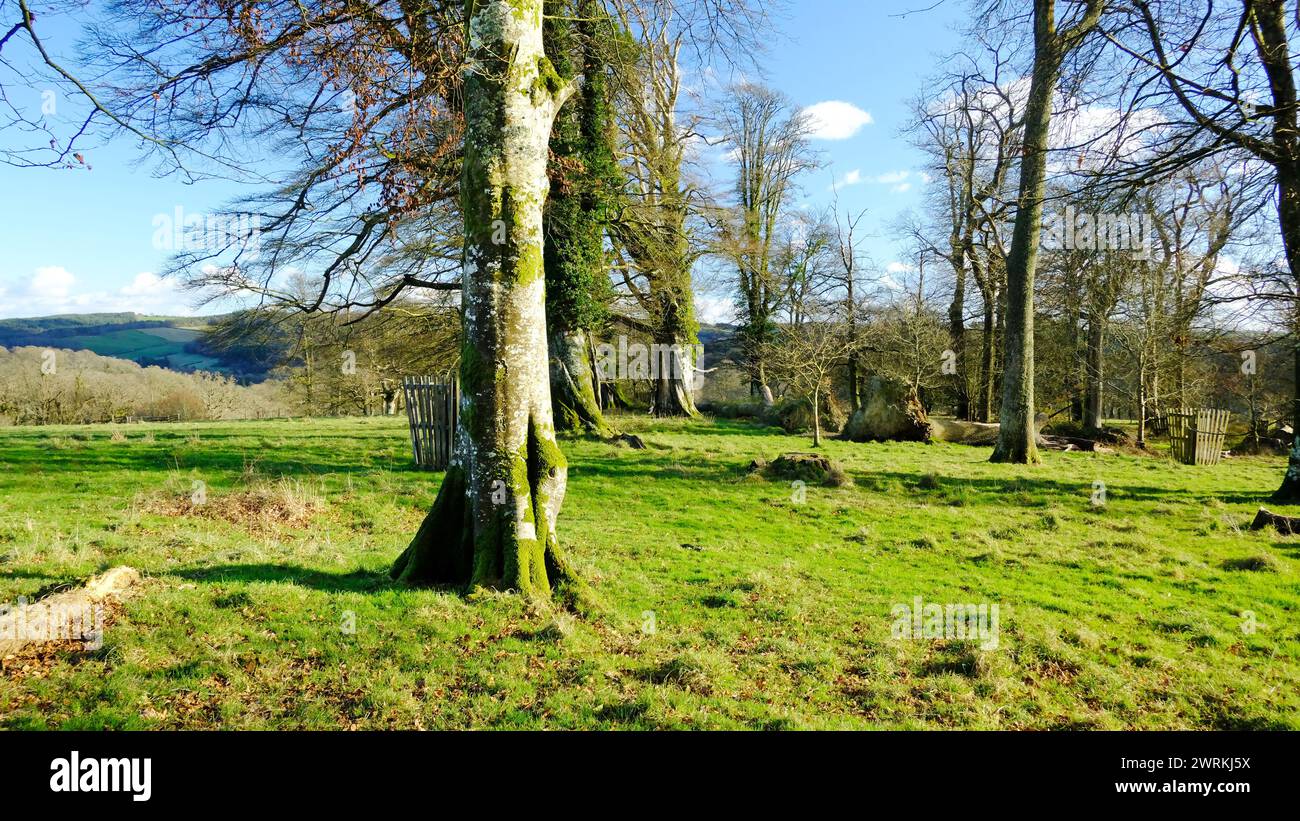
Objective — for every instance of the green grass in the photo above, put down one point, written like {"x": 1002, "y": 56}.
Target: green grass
{"x": 722, "y": 602}
{"x": 128, "y": 343}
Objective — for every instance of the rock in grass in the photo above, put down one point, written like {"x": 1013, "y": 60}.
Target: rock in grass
{"x": 631, "y": 440}
{"x": 1260, "y": 563}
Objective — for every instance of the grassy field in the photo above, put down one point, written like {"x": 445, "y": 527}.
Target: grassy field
{"x": 725, "y": 601}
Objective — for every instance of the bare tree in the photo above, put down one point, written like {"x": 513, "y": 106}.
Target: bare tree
{"x": 846, "y": 274}
{"x": 768, "y": 143}
{"x": 1227, "y": 86}
{"x": 1017, "y": 438}
{"x": 970, "y": 130}
{"x": 804, "y": 359}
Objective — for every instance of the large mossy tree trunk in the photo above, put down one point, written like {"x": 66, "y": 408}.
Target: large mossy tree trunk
{"x": 1017, "y": 436}
{"x": 574, "y": 401}
{"x": 674, "y": 386}
{"x": 584, "y": 178}
{"x": 493, "y": 523}
{"x": 672, "y": 307}
{"x": 1289, "y": 213}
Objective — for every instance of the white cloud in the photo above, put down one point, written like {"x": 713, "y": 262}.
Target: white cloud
{"x": 714, "y": 310}
{"x": 836, "y": 120}
{"x": 52, "y": 290}
{"x": 852, "y": 178}
{"x": 147, "y": 284}
{"x": 896, "y": 180}
{"x": 50, "y": 283}
{"x": 893, "y": 272}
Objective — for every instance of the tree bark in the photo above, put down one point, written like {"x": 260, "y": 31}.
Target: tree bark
{"x": 1077, "y": 373}
{"x": 1094, "y": 373}
{"x": 494, "y": 522}
{"x": 573, "y": 385}
{"x": 675, "y": 327}
{"x": 1289, "y": 216}
{"x": 1017, "y": 435}
{"x": 673, "y": 396}
{"x": 817, "y": 419}
{"x": 583, "y": 181}
{"x": 988, "y": 361}
{"x": 1142, "y": 396}
{"x": 957, "y": 331}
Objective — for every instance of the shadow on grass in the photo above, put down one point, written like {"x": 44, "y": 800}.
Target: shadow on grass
{"x": 218, "y": 460}
{"x": 357, "y": 581}
{"x": 1041, "y": 488}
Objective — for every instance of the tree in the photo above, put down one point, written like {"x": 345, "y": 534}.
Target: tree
{"x": 805, "y": 358}
{"x": 845, "y": 239}
{"x": 802, "y": 261}
{"x": 909, "y": 334}
{"x": 1017, "y": 437}
{"x": 970, "y": 129}
{"x": 1229, "y": 88}
{"x": 584, "y": 182}
{"x": 768, "y": 140}
{"x": 392, "y": 108}
{"x": 652, "y": 225}
{"x": 494, "y": 521}
{"x": 49, "y": 139}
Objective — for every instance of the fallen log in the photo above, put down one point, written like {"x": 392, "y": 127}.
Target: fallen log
{"x": 73, "y": 615}
{"x": 1285, "y": 525}
{"x": 961, "y": 432}
{"x": 1072, "y": 443}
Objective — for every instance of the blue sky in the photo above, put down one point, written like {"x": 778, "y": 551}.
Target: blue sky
{"x": 81, "y": 241}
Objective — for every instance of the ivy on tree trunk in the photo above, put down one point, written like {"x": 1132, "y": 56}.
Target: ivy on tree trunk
{"x": 583, "y": 179}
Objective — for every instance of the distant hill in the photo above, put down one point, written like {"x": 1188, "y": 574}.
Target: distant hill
{"x": 247, "y": 346}
{"x": 173, "y": 342}
{"x": 720, "y": 344}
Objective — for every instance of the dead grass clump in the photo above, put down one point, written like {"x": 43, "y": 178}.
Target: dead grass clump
{"x": 282, "y": 503}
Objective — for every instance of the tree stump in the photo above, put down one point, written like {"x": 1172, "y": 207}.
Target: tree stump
{"x": 890, "y": 411}
{"x": 1286, "y": 525}
{"x": 810, "y": 468}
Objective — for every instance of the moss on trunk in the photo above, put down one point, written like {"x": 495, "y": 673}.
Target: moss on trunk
{"x": 583, "y": 180}
{"x": 494, "y": 522}
{"x": 573, "y": 386}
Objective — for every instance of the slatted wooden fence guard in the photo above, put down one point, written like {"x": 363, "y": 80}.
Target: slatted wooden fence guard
{"x": 1196, "y": 435}
{"x": 1158, "y": 424}
{"x": 431, "y": 406}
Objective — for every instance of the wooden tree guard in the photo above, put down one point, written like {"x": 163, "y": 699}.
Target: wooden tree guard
{"x": 1158, "y": 424}
{"x": 431, "y": 407}
{"x": 1196, "y": 435}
